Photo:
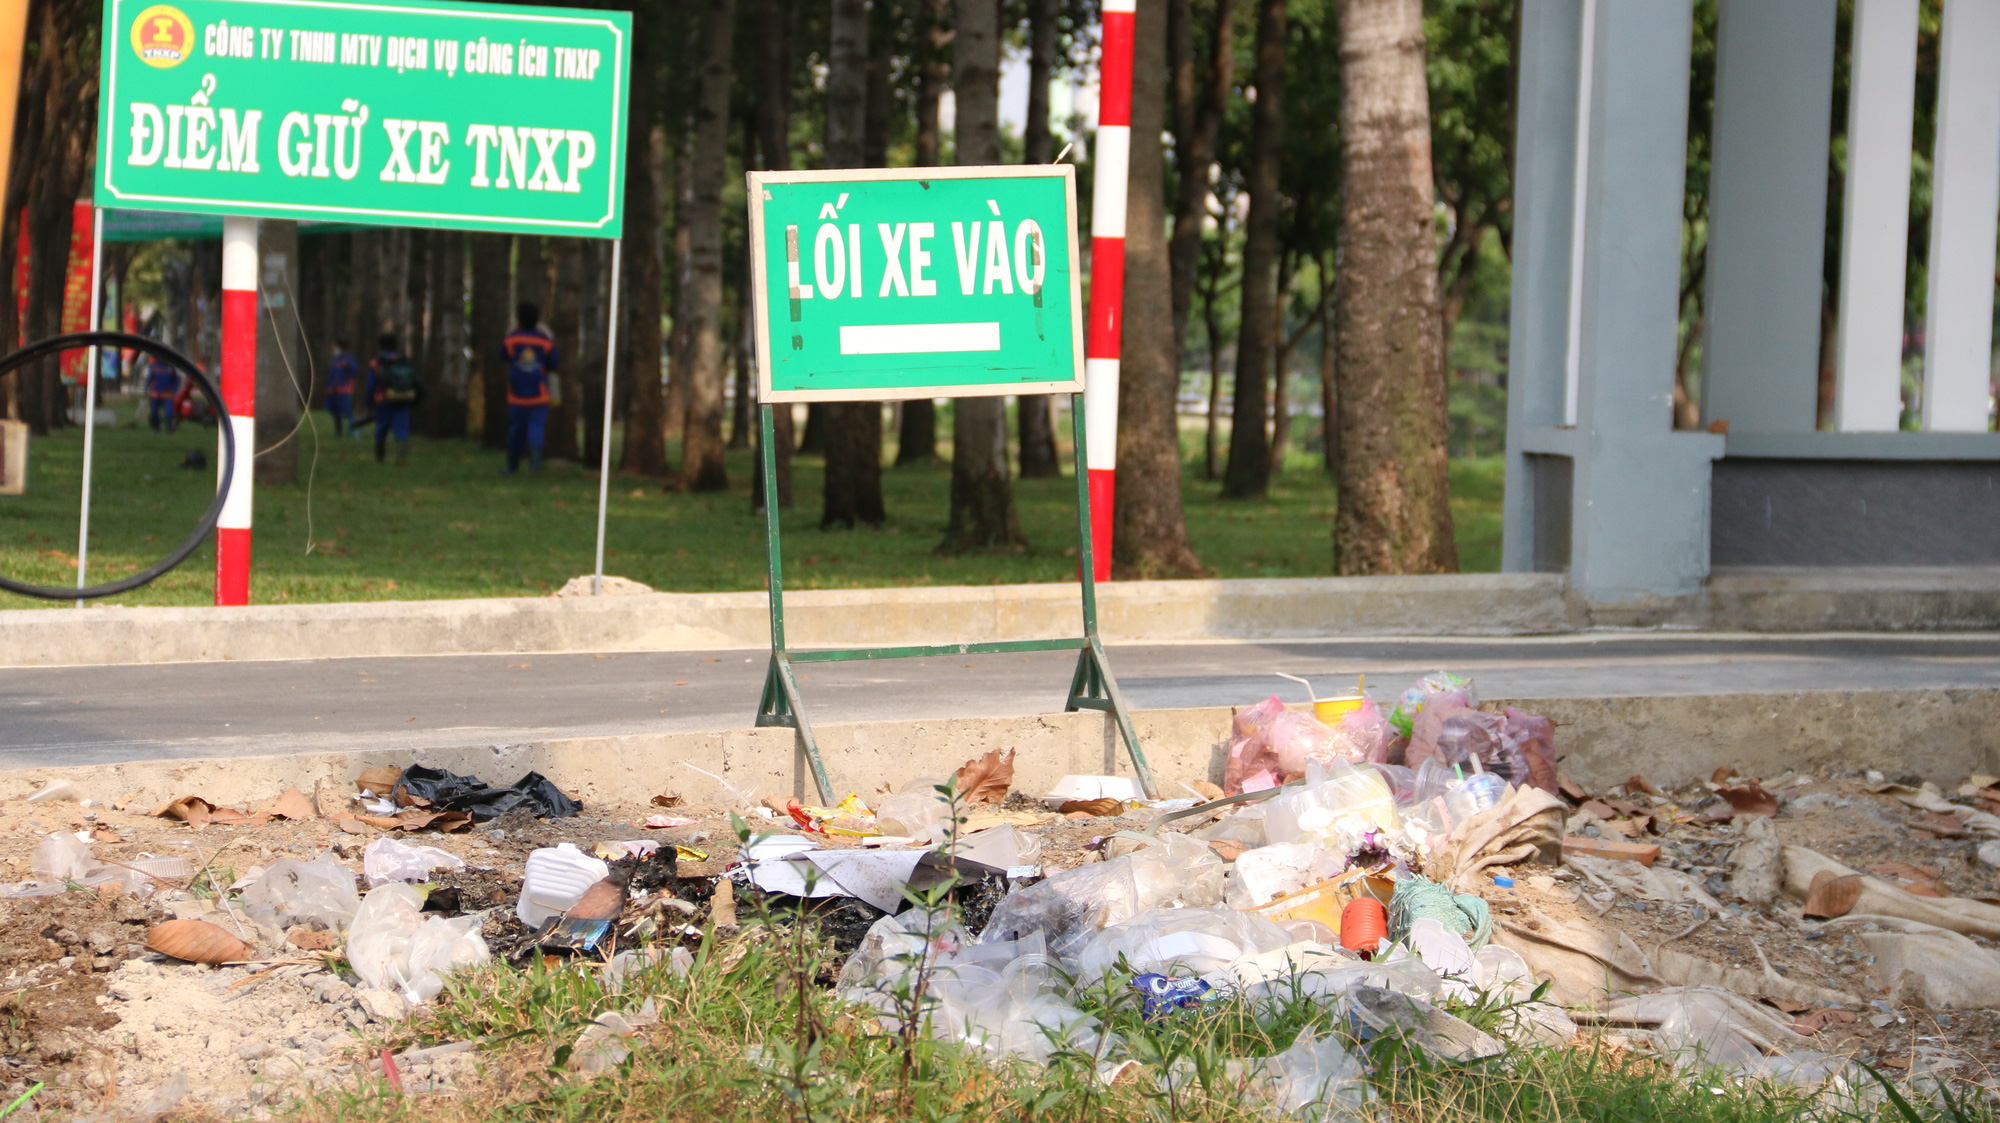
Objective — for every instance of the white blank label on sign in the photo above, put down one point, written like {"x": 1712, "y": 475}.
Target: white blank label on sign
{"x": 910, "y": 339}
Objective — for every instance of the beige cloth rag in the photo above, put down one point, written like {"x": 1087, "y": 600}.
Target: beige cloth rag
{"x": 1526, "y": 824}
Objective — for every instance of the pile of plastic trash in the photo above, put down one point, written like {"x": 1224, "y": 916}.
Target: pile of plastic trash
{"x": 1343, "y": 867}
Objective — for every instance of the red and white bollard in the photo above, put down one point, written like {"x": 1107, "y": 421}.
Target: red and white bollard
{"x": 1107, "y": 276}
{"x": 239, "y": 398}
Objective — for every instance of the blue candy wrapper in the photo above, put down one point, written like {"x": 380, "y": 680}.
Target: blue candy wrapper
{"x": 1164, "y": 995}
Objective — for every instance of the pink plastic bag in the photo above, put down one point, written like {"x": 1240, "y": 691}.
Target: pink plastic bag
{"x": 1253, "y": 765}
{"x": 1455, "y": 734}
{"x": 1300, "y": 737}
{"x": 1365, "y": 734}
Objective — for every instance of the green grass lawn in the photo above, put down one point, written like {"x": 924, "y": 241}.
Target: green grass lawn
{"x": 448, "y": 526}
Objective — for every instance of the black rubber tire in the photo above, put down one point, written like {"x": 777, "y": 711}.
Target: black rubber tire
{"x": 180, "y": 362}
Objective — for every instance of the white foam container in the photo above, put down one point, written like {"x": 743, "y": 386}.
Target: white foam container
{"x": 556, "y": 879}
{"x": 1093, "y": 787}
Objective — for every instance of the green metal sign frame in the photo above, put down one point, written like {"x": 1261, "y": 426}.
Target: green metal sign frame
{"x": 1050, "y": 357}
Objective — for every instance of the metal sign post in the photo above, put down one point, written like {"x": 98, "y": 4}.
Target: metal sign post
{"x": 919, "y": 283}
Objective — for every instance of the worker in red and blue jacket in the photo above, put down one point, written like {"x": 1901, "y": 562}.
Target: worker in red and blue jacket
{"x": 163, "y": 382}
{"x": 341, "y": 375}
{"x": 531, "y": 358}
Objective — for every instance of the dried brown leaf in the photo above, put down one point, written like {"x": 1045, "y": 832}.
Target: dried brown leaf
{"x": 311, "y": 939}
{"x": 668, "y": 800}
{"x": 1103, "y": 808}
{"x": 1820, "y": 1019}
{"x": 380, "y": 780}
{"x": 198, "y": 941}
{"x": 1749, "y": 799}
{"x": 988, "y": 778}
{"x": 292, "y": 805}
{"x": 1207, "y": 790}
{"x": 1641, "y": 784}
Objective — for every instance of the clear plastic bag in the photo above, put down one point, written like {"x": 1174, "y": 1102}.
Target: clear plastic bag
{"x": 386, "y": 859}
{"x": 1319, "y": 1080}
{"x": 63, "y": 857}
{"x": 1246, "y": 826}
{"x": 1069, "y": 907}
{"x": 1267, "y": 872}
{"x": 393, "y": 947}
{"x": 1194, "y": 941}
{"x": 1534, "y": 737}
{"x": 1337, "y": 805}
{"x": 1001, "y": 846}
{"x": 914, "y": 811}
{"x": 290, "y": 892}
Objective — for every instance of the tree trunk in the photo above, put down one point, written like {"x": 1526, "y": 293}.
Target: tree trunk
{"x": 490, "y": 319}
{"x": 1248, "y": 473}
{"x": 851, "y": 432}
{"x": 564, "y": 314}
{"x": 450, "y": 298}
{"x": 916, "y": 436}
{"x": 677, "y": 344}
{"x": 1329, "y": 400}
{"x": 430, "y": 314}
{"x": 280, "y": 355}
{"x": 982, "y": 495}
{"x": 1394, "y": 507}
{"x": 776, "y": 21}
{"x": 590, "y": 362}
{"x": 741, "y": 416}
{"x": 1199, "y": 101}
{"x": 708, "y": 353}
{"x": 1151, "y": 536}
{"x": 1034, "y": 420}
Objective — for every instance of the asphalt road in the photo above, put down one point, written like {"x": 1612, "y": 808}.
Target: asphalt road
{"x": 86, "y": 715}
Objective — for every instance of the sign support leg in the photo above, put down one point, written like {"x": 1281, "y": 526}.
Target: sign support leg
{"x": 604, "y": 465}
{"x": 1093, "y": 687}
{"x": 780, "y": 704}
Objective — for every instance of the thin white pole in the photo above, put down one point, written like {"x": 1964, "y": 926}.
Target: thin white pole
{"x": 604, "y": 467}
{"x": 90, "y": 398}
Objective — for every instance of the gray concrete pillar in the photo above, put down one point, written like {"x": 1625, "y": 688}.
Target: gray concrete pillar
{"x": 1641, "y": 498}
{"x": 1767, "y": 215}
{"x": 1544, "y": 213}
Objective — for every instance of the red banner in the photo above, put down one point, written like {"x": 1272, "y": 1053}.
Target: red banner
{"x": 76, "y": 288}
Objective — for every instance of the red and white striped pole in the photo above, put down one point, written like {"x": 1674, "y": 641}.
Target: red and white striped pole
{"x": 239, "y": 398}
{"x": 1107, "y": 275}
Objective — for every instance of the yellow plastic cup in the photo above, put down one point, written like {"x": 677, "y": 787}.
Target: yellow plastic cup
{"x": 1331, "y": 710}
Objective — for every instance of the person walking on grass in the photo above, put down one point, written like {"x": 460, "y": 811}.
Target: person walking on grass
{"x": 531, "y": 358}
{"x": 163, "y": 383}
{"x": 341, "y": 374}
{"x": 393, "y": 388}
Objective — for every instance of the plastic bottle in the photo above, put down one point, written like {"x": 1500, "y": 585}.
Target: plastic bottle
{"x": 1476, "y": 794}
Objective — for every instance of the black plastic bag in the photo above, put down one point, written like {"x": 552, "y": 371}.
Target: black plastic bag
{"x": 448, "y": 791}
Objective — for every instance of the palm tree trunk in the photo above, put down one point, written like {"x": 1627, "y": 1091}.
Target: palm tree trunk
{"x": 490, "y": 317}
{"x": 645, "y": 451}
{"x": 1151, "y": 537}
{"x": 852, "y": 431}
{"x": 1394, "y": 509}
{"x": 1248, "y": 473}
{"x": 1034, "y": 420}
{"x": 982, "y": 494}
{"x": 1199, "y": 102}
{"x": 701, "y": 451}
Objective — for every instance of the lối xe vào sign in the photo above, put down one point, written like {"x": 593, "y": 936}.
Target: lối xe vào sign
{"x": 457, "y": 116}
{"x": 880, "y": 284}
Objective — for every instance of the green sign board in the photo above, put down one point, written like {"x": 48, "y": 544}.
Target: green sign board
{"x": 884, "y": 284}
{"x": 461, "y": 116}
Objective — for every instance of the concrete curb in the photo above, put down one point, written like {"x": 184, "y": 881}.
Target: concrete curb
{"x": 1939, "y": 734}
{"x": 1759, "y": 600}
{"x": 1128, "y": 611}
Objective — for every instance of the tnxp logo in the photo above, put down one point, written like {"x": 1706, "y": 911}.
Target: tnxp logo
{"x": 162, "y": 36}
